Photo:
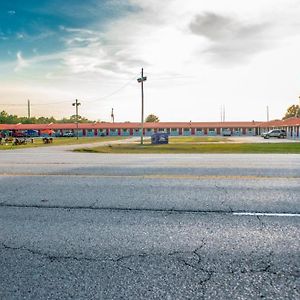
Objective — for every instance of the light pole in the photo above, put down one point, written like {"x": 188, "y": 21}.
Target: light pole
{"x": 141, "y": 81}
{"x": 76, "y": 104}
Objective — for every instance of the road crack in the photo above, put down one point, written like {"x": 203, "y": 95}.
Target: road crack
{"x": 47, "y": 255}
{"x": 224, "y": 190}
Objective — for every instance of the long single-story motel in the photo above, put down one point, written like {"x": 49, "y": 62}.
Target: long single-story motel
{"x": 291, "y": 125}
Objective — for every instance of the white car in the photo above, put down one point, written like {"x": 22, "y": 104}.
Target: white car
{"x": 226, "y": 132}
{"x": 279, "y": 133}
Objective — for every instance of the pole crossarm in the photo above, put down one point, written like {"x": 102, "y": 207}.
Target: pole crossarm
{"x": 141, "y": 79}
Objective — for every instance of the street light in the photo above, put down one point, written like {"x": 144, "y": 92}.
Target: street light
{"x": 141, "y": 80}
{"x": 76, "y": 104}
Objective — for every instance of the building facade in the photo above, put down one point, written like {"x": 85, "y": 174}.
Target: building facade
{"x": 292, "y": 126}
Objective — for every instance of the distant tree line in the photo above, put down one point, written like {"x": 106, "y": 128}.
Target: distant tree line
{"x": 6, "y": 118}
{"x": 292, "y": 111}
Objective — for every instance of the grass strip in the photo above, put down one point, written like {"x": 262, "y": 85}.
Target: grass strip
{"x": 197, "y": 139}
{"x": 60, "y": 141}
{"x": 276, "y": 148}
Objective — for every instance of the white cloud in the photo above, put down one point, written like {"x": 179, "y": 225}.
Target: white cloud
{"x": 183, "y": 48}
{"x": 167, "y": 37}
{"x": 20, "y": 36}
{"x": 3, "y": 37}
{"x": 21, "y": 62}
{"x": 231, "y": 40}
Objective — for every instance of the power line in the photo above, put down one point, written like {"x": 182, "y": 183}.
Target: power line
{"x": 113, "y": 93}
{"x": 68, "y": 101}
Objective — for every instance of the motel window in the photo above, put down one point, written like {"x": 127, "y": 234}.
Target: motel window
{"x": 90, "y": 130}
{"x": 161, "y": 129}
{"x": 136, "y": 130}
{"x": 113, "y": 130}
{"x": 124, "y": 130}
{"x": 186, "y": 129}
{"x": 100, "y": 130}
{"x": 199, "y": 129}
{"x": 174, "y": 129}
{"x": 211, "y": 129}
{"x": 149, "y": 130}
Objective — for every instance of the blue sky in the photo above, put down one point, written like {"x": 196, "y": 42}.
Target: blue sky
{"x": 37, "y": 26}
{"x": 198, "y": 55}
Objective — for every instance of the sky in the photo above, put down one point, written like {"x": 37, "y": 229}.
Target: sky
{"x": 198, "y": 56}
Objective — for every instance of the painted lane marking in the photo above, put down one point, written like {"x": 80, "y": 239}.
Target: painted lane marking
{"x": 260, "y": 214}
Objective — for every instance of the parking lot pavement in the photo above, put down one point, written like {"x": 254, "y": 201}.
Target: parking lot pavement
{"x": 90, "y": 226}
{"x": 259, "y": 139}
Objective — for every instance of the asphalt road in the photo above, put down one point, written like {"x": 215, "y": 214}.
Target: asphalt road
{"x": 93, "y": 226}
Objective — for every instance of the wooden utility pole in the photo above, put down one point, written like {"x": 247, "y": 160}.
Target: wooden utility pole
{"x": 141, "y": 81}
{"x": 112, "y": 115}
{"x": 28, "y": 108}
{"x": 76, "y": 104}
{"x": 142, "y": 125}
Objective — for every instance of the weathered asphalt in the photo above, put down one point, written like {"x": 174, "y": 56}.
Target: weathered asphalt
{"x": 92, "y": 226}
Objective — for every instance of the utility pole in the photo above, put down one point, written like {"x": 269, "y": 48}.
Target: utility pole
{"x": 112, "y": 115}
{"x": 141, "y": 81}
{"x": 268, "y": 114}
{"x": 223, "y": 113}
{"x": 28, "y": 108}
{"x": 76, "y": 104}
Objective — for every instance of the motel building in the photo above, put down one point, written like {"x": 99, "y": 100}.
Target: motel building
{"x": 292, "y": 127}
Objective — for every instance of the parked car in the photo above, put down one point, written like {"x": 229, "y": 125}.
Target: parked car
{"x": 226, "y": 132}
{"x": 279, "y": 133}
{"x": 160, "y": 138}
{"x": 68, "y": 134}
{"x": 32, "y": 133}
{"x": 17, "y": 134}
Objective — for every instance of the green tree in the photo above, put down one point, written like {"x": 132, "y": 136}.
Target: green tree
{"x": 292, "y": 111}
{"x": 6, "y": 118}
{"x": 72, "y": 119}
{"x": 152, "y": 118}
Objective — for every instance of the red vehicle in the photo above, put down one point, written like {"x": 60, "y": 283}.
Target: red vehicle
{"x": 18, "y": 134}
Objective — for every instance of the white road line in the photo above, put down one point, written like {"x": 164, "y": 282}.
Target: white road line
{"x": 265, "y": 214}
